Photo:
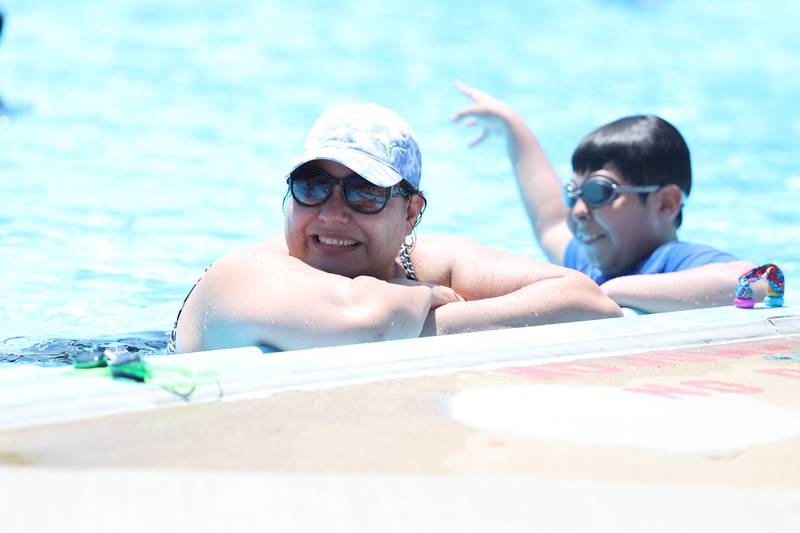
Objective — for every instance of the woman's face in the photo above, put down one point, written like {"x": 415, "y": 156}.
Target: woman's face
{"x": 335, "y": 239}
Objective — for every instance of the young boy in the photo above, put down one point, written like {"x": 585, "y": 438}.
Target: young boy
{"x": 617, "y": 219}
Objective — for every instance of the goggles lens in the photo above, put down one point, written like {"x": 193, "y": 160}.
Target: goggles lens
{"x": 311, "y": 186}
{"x": 598, "y": 191}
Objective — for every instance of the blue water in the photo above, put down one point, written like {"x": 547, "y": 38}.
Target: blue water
{"x": 145, "y": 140}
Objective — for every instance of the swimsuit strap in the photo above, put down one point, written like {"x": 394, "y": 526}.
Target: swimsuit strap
{"x": 173, "y": 336}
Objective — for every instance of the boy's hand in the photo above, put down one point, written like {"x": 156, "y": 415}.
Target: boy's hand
{"x": 486, "y": 111}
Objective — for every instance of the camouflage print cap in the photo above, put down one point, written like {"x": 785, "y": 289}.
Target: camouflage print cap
{"x": 373, "y": 141}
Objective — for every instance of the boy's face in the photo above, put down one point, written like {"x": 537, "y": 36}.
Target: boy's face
{"x": 617, "y": 234}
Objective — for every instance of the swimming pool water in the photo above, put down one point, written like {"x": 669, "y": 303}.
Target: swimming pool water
{"x": 145, "y": 140}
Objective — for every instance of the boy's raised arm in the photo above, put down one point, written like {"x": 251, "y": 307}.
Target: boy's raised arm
{"x": 538, "y": 182}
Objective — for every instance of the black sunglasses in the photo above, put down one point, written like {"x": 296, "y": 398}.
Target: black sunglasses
{"x": 598, "y": 191}
{"x": 311, "y": 186}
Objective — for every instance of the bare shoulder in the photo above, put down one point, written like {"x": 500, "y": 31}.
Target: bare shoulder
{"x": 451, "y": 251}
{"x": 240, "y": 293}
{"x": 258, "y": 258}
{"x": 435, "y": 255}
{"x": 475, "y": 269}
{"x": 443, "y": 249}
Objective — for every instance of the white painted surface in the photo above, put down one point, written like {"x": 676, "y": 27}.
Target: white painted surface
{"x": 610, "y": 416}
{"x": 142, "y": 500}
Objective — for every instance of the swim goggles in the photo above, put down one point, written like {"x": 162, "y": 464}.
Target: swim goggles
{"x": 598, "y": 191}
{"x": 311, "y": 186}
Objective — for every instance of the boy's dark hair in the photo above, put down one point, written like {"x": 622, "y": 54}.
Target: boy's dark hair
{"x": 645, "y": 149}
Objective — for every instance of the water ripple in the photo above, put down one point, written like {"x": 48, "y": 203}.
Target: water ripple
{"x": 60, "y": 351}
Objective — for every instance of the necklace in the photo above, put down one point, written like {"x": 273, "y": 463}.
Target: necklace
{"x": 405, "y": 261}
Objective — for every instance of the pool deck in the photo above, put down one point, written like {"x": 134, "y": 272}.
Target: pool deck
{"x": 683, "y": 421}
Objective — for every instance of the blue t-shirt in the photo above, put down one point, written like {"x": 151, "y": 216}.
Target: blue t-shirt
{"x": 669, "y": 257}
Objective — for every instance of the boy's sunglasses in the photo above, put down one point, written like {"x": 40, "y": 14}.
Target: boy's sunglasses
{"x": 598, "y": 191}
{"x": 311, "y": 186}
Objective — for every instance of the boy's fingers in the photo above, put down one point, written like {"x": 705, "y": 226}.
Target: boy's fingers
{"x": 481, "y": 136}
{"x": 461, "y": 114}
{"x": 466, "y": 89}
{"x": 461, "y": 87}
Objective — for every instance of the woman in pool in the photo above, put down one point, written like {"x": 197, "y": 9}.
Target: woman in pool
{"x": 347, "y": 269}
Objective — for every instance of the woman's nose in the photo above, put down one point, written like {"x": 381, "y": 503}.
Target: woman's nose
{"x": 335, "y": 209}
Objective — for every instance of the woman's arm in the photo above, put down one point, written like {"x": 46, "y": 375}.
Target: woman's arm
{"x": 504, "y": 290}
{"x": 260, "y": 296}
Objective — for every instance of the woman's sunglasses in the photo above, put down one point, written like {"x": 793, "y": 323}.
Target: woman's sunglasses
{"x": 598, "y": 191}
{"x": 312, "y": 186}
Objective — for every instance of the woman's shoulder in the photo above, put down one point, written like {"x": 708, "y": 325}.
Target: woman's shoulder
{"x": 267, "y": 254}
{"x": 437, "y": 256}
{"x": 270, "y": 246}
{"x": 444, "y": 243}
{"x": 441, "y": 249}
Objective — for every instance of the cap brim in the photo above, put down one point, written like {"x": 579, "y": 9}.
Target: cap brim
{"x": 362, "y": 164}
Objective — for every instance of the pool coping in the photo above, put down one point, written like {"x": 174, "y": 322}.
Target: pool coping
{"x": 31, "y": 396}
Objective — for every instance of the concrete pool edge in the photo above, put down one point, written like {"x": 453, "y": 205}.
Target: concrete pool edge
{"x": 211, "y": 500}
{"x": 32, "y": 396}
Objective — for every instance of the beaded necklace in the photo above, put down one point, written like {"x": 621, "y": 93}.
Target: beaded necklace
{"x": 405, "y": 261}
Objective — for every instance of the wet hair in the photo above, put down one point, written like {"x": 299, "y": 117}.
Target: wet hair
{"x": 644, "y": 149}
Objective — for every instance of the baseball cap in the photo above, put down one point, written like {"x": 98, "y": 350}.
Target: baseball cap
{"x": 372, "y": 140}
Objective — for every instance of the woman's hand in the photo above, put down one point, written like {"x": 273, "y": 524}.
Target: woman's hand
{"x": 443, "y": 295}
{"x": 440, "y": 294}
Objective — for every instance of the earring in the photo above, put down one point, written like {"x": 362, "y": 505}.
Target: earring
{"x": 775, "y": 287}
{"x": 410, "y": 241}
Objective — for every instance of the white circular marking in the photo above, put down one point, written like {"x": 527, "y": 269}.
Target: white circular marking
{"x": 609, "y": 416}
